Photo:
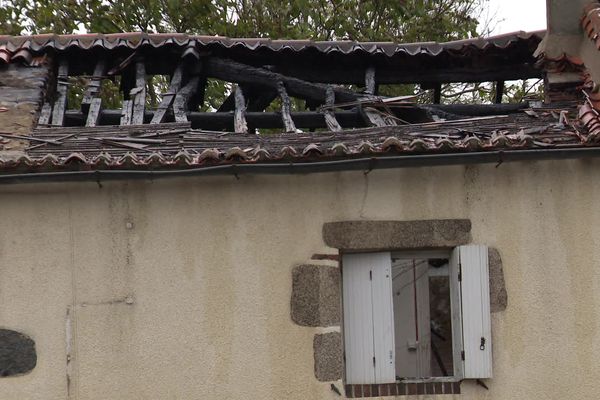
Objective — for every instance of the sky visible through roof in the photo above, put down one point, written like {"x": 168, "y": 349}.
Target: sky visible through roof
{"x": 515, "y": 15}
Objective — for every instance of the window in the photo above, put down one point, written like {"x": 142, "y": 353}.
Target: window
{"x": 417, "y": 316}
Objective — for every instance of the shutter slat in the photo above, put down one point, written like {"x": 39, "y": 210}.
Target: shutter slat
{"x": 475, "y": 292}
{"x": 358, "y": 317}
{"x": 383, "y": 318}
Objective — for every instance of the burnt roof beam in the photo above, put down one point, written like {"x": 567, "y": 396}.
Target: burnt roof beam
{"x": 443, "y": 74}
{"x": 239, "y": 73}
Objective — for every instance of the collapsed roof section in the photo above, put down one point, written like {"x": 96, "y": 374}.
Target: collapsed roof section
{"x": 346, "y": 123}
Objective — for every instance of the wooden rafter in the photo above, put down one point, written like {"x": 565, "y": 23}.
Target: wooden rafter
{"x": 180, "y": 104}
{"x": 138, "y": 94}
{"x": 330, "y": 120}
{"x": 169, "y": 97}
{"x": 62, "y": 86}
{"x": 92, "y": 101}
{"x": 286, "y": 106}
{"x": 239, "y": 120}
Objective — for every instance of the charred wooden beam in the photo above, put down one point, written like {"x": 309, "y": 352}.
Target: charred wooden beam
{"x": 225, "y": 120}
{"x": 499, "y": 91}
{"x": 330, "y": 120}
{"x": 62, "y": 87}
{"x": 286, "y": 106}
{"x": 478, "y": 110}
{"x": 258, "y": 98}
{"x": 399, "y": 75}
{"x": 169, "y": 97}
{"x": 138, "y": 94}
{"x": 437, "y": 93}
{"x": 239, "y": 121}
{"x": 303, "y": 120}
{"x": 180, "y": 104}
{"x": 233, "y": 71}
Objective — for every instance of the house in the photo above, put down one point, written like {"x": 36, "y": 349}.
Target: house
{"x": 372, "y": 247}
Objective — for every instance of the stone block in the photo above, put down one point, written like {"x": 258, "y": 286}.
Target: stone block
{"x": 498, "y": 295}
{"x": 17, "y": 353}
{"x": 316, "y": 295}
{"x": 328, "y": 356}
{"x": 397, "y": 235}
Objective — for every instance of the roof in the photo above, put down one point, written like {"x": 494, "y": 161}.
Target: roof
{"x": 22, "y": 48}
{"x": 177, "y": 147}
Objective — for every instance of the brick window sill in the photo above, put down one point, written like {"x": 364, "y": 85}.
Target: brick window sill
{"x": 402, "y": 389}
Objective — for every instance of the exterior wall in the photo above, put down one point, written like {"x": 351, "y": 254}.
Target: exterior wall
{"x": 180, "y": 289}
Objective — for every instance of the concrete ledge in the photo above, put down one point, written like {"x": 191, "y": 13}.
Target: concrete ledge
{"x": 316, "y": 295}
{"x": 397, "y": 235}
{"x": 328, "y": 356}
{"x": 498, "y": 295}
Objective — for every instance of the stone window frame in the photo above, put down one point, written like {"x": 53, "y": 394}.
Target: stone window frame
{"x": 419, "y": 235}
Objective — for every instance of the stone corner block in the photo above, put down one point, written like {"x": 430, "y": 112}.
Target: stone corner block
{"x": 498, "y": 294}
{"x": 316, "y": 295}
{"x": 397, "y": 235}
{"x": 17, "y": 353}
{"x": 328, "y": 356}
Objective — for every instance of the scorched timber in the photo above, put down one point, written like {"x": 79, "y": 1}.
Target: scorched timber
{"x": 233, "y": 71}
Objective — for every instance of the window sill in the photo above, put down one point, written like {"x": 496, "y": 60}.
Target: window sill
{"x": 402, "y": 389}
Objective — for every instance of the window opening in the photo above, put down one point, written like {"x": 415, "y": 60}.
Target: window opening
{"x": 422, "y": 317}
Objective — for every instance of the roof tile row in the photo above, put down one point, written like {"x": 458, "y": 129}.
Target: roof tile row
{"x": 19, "y": 48}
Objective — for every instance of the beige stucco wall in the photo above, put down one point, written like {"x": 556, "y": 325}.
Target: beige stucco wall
{"x": 180, "y": 289}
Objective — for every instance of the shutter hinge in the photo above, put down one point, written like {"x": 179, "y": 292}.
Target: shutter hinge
{"x": 462, "y": 355}
{"x": 370, "y": 275}
{"x": 373, "y": 360}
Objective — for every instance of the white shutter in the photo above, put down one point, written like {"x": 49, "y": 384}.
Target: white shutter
{"x": 383, "y": 318}
{"x": 368, "y": 318}
{"x": 358, "y": 319}
{"x": 455, "y": 308}
{"x": 476, "y": 323}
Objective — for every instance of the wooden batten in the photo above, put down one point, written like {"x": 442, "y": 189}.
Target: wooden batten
{"x": 169, "y": 97}
{"x": 239, "y": 121}
{"x": 62, "y": 86}
{"x": 286, "y": 105}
